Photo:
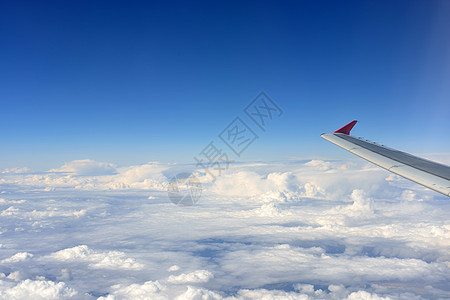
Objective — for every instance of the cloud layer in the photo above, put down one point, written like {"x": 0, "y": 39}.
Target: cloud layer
{"x": 297, "y": 230}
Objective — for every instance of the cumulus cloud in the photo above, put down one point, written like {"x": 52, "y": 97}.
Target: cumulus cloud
{"x": 91, "y": 175}
{"x": 317, "y": 263}
{"x": 198, "y": 276}
{"x": 86, "y": 167}
{"x": 361, "y": 210}
{"x": 21, "y": 256}
{"x": 145, "y": 176}
{"x": 10, "y": 211}
{"x": 16, "y": 276}
{"x": 269, "y": 210}
{"x": 148, "y": 290}
{"x": 319, "y": 164}
{"x": 36, "y": 289}
{"x": 313, "y": 179}
{"x": 16, "y": 170}
{"x": 173, "y": 268}
{"x": 363, "y": 295}
{"x": 39, "y": 214}
{"x": 156, "y": 290}
{"x": 97, "y": 259}
{"x": 198, "y": 293}
{"x": 241, "y": 183}
{"x": 303, "y": 230}
{"x": 4, "y": 201}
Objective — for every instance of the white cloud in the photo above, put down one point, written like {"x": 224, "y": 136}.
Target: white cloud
{"x": 10, "y": 211}
{"x": 198, "y": 276}
{"x": 173, "y": 268}
{"x": 193, "y": 293}
{"x": 97, "y": 259}
{"x": 15, "y": 170}
{"x": 363, "y": 295}
{"x": 269, "y": 210}
{"x": 91, "y": 175}
{"x": 320, "y": 229}
{"x": 158, "y": 291}
{"x": 145, "y": 176}
{"x": 270, "y": 295}
{"x": 16, "y": 276}
{"x": 39, "y": 214}
{"x": 319, "y": 164}
{"x": 241, "y": 183}
{"x": 148, "y": 291}
{"x": 18, "y": 257}
{"x": 36, "y": 290}
{"x": 87, "y": 167}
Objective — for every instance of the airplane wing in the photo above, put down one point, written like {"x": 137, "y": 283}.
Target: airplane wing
{"x": 425, "y": 172}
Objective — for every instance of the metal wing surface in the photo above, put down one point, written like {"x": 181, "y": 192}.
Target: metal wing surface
{"x": 425, "y": 172}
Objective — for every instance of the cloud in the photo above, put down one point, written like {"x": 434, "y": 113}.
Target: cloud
{"x": 269, "y": 210}
{"x": 198, "y": 293}
{"x": 18, "y": 257}
{"x": 10, "y": 211}
{"x": 314, "y": 179}
{"x": 240, "y": 183}
{"x": 148, "y": 290}
{"x": 173, "y": 268}
{"x": 145, "y": 176}
{"x": 16, "y": 170}
{"x": 363, "y": 295}
{"x": 91, "y": 175}
{"x": 4, "y": 201}
{"x": 313, "y": 263}
{"x": 39, "y": 214}
{"x": 86, "y": 167}
{"x": 198, "y": 276}
{"x": 156, "y": 290}
{"x": 304, "y": 230}
{"x": 319, "y": 164}
{"x": 97, "y": 259}
{"x": 36, "y": 289}
{"x": 16, "y": 276}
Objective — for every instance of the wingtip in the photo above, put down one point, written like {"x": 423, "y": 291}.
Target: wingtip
{"x": 346, "y": 129}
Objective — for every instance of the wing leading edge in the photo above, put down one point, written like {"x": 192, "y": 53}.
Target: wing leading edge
{"x": 425, "y": 172}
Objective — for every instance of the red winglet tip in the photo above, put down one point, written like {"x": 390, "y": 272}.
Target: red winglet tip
{"x": 346, "y": 129}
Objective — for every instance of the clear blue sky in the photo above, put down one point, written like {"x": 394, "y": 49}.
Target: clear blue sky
{"x": 130, "y": 82}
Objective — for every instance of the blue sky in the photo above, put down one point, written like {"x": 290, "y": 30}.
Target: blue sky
{"x": 135, "y": 82}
